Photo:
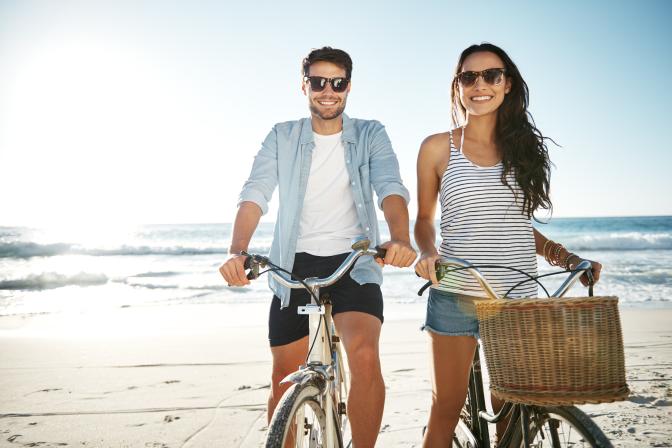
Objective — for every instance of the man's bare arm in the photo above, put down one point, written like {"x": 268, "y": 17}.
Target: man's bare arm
{"x": 400, "y": 253}
{"x": 247, "y": 220}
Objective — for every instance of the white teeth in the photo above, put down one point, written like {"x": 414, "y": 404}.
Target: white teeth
{"x": 327, "y": 103}
{"x": 481, "y": 98}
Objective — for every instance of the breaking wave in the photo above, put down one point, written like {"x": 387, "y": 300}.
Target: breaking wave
{"x": 624, "y": 241}
{"x": 18, "y": 249}
{"x": 51, "y": 280}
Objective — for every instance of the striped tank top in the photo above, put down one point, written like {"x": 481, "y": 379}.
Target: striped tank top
{"x": 482, "y": 223}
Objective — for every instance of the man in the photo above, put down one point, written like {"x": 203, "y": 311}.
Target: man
{"x": 326, "y": 167}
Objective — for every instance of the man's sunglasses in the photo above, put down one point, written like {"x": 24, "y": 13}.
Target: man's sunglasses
{"x": 492, "y": 76}
{"x": 318, "y": 83}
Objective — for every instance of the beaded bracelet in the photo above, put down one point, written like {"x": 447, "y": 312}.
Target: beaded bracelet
{"x": 556, "y": 255}
{"x": 567, "y": 260}
{"x": 552, "y": 256}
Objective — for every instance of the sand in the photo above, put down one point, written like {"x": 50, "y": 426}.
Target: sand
{"x": 196, "y": 376}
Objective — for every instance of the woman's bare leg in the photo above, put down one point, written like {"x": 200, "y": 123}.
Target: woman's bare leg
{"x": 497, "y": 405}
{"x": 450, "y": 360}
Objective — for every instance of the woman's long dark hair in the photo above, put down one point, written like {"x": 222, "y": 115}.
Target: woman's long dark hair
{"x": 520, "y": 143}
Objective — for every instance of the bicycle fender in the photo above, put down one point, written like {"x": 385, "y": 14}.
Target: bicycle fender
{"x": 305, "y": 376}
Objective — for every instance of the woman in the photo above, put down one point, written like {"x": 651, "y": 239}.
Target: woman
{"x": 491, "y": 173}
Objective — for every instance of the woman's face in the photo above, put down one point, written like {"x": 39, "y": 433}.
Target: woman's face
{"x": 483, "y": 98}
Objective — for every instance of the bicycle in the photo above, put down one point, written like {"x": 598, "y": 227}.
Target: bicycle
{"x": 312, "y": 413}
{"x": 529, "y": 425}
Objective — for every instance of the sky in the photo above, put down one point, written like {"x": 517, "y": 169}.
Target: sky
{"x": 142, "y": 112}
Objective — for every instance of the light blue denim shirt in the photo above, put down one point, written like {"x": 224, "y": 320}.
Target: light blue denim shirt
{"x": 284, "y": 160}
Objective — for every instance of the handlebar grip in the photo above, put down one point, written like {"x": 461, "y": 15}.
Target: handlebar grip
{"x": 253, "y": 266}
{"x": 381, "y": 252}
{"x": 249, "y": 261}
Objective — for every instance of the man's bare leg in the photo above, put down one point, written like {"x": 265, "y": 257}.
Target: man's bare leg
{"x": 286, "y": 360}
{"x": 360, "y": 333}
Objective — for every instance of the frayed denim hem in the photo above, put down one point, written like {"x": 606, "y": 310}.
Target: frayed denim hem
{"x": 474, "y": 334}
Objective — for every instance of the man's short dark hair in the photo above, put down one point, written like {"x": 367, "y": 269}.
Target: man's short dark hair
{"x": 327, "y": 54}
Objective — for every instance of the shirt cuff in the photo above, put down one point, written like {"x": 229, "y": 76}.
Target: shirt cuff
{"x": 397, "y": 189}
{"x": 256, "y": 196}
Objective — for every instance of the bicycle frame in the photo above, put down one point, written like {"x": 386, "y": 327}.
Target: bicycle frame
{"x": 325, "y": 361}
{"x": 479, "y": 434}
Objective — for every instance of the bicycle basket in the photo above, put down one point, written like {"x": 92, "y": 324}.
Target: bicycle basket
{"x": 554, "y": 351}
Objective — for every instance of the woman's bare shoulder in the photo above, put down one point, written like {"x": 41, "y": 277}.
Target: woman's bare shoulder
{"x": 435, "y": 153}
{"x": 437, "y": 142}
{"x": 436, "y": 147}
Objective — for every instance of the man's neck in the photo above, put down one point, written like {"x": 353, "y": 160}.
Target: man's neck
{"x": 326, "y": 127}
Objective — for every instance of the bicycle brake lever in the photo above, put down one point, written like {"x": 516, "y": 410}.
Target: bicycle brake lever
{"x": 591, "y": 282}
{"x": 424, "y": 288}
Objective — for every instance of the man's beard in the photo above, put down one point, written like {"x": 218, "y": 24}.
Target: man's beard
{"x": 337, "y": 113}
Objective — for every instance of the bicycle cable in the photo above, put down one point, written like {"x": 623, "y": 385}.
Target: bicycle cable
{"x": 312, "y": 294}
{"x": 429, "y": 283}
{"x": 535, "y": 278}
{"x": 590, "y": 281}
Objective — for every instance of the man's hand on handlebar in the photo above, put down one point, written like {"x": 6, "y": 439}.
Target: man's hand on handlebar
{"x": 233, "y": 270}
{"x": 426, "y": 266}
{"x": 597, "y": 267}
{"x": 399, "y": 254}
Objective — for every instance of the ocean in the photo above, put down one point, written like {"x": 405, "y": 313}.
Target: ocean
{"x": 77, "y": 269}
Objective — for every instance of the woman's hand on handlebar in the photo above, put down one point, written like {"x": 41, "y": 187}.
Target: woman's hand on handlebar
{"x": 233, "y": 270}
{"x": 426, "y": 266}
{"x": 399, "y": 254}
{"x": 597, "y": 267}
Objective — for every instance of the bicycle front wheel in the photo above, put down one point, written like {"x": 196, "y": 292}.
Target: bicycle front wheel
{"x": 562, "y": 426}
{"x": 299, "y": 421}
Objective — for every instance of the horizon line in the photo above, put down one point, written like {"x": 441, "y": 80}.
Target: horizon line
{"x": 271, "y": 222}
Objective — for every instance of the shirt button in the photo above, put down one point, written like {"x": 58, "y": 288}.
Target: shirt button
{"x": 353, "y": 183}
{"x": 367, "y": 228}
{"x": 360, "y": 205}
{"x": 348, "y": 161}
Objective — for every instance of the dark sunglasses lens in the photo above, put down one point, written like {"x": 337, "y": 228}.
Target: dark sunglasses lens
{"x": 468, "y": 79}
{"x": 339, "y": 85}
{"x": 493, "y": 77}
{"x": 317, "y": 84}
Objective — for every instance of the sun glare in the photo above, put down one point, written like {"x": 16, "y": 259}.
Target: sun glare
{"x": 87, "y": 125}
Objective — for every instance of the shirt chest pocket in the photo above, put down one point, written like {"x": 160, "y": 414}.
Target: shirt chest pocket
{"x": 365, "y": 178}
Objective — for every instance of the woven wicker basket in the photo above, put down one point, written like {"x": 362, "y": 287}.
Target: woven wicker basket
{"x": 554, "y": 351}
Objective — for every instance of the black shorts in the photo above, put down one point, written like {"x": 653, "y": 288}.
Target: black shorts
{"x": 286, "y": 326}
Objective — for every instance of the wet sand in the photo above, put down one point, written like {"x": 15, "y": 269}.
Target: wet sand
{"x": 194, "y": 376}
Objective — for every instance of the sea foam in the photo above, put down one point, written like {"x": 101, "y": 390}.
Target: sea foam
{"x": 623, "y": 241}
{"x": 17, "y": 249}
{"x": 51, "y": 280}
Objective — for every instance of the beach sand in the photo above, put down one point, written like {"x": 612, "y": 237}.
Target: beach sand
{"x": 194, "y": 376}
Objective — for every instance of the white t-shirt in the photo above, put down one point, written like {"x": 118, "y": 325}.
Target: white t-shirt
{"x": 329, "y": 219}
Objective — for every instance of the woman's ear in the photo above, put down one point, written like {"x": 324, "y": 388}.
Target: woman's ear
{"x": 508, "y": 85}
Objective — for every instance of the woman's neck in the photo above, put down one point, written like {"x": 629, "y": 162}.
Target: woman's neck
{"x": 482, "y": 128}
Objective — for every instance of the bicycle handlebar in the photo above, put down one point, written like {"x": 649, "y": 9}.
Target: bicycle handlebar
{"x": 578, "y": 272}
{"x": 253, "y": 266}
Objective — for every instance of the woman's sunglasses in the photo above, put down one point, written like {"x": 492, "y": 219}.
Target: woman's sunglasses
{"x": 492, "y": 76}
{"x": 318, "y": 83}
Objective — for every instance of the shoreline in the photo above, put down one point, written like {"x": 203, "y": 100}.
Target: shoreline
{"x": 179, "y": 376}
{"x": 397, "y": 314}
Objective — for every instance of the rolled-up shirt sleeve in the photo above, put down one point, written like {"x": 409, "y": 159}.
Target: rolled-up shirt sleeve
{"x": 384, "y": 168}
{"x": 263, "y": 179}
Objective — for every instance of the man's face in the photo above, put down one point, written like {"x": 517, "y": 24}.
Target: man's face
{"x": 326, "y": 104}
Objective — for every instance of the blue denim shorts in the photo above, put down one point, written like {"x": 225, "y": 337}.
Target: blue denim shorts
{"x": 451, "y": 314}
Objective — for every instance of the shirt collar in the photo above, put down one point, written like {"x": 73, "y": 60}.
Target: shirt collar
{"x": 347, "y": 136}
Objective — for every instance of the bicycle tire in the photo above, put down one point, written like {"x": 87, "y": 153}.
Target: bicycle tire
{"x": 574, "y": 429}
{"x": 300, "y": 398}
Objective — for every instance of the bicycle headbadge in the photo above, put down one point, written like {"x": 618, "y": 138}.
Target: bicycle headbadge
{"x": 361, "y": 242}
